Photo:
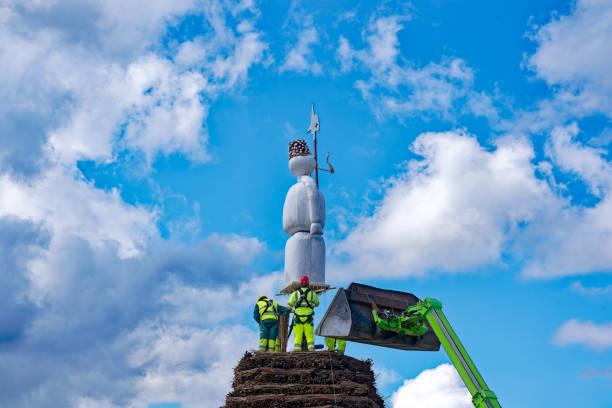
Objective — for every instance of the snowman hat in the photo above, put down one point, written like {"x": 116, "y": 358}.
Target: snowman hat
{"x": 298, "y": 147}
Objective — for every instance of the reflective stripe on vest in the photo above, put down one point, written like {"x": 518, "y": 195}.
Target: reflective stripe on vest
{"x": 267, "y": 310}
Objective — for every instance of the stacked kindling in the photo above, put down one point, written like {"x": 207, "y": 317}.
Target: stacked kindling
{"x": 303, "y": 379}
{"x": 298, "y": 147}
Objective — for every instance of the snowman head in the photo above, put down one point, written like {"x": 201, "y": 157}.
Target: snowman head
{"x": 301, "y": 162}
{"x": 302, "y": 165}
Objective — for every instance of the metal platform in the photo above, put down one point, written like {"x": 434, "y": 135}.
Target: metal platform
{"x": 315, "y": 287}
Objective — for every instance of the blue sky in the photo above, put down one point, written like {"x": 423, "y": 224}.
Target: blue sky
{"x": 143, "y": 169}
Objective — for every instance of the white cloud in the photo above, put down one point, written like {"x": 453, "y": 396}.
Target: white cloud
{"x": 344, "y": 54}
{"x": 67, "y": 205}
{"x": 586, "y": 162}
{"x": 394, "y": 86}
{"x": 453, "y": 210}
{"x": 347, "y": 16}
{"x": 462, "y": 206}
{"x": 440, "y": 387}
{"x": 248, "y": 51}
{"x": 385, "y": 376}
{"x": 579, "y": 288}
{"x": 124, "y": 27}
{"x": 191, "y": 365}
{"x": 576, "y": 48}
{"x": 95, "y": 100}
{"x": 383, "y": 43}
{"x": 161, "y": 323}
{"x": 159, "y": 106}
{"x": 575, "y": 240}
{"x": 574, "y": 56}
{"x": 593, "y": 335}
{"x": 301, "y": 57}
{"x": 96, "y": 299}
{"x": 187, "y": 307}
{"x": 87, "y": 85}
{"x": 189, "y": 352}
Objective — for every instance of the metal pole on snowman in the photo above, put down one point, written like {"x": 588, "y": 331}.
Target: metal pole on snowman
{"x": 314, "y": 128}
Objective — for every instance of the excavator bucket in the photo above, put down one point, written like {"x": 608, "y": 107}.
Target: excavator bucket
{"x": 349, "y": 317}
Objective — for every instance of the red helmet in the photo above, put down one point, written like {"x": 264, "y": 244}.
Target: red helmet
{"x": 304, "y": 281}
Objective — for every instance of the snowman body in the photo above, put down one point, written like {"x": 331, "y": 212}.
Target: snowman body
{"x": 304, "y": 219}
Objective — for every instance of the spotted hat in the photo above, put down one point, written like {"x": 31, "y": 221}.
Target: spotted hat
{"x": 298, "y": 148}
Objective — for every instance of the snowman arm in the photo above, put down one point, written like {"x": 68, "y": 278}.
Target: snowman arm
{"x": 314, "y": 211}
{"x": 316, "y": 228}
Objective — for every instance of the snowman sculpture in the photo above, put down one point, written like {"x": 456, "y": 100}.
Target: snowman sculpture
{"x": 304, "y": 219}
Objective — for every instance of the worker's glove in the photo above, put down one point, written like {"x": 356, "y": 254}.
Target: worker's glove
{"x": 316, "y": 229}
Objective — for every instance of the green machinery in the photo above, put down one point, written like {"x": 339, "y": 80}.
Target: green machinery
{"x": 412, "y": 322}
{"x": 400, "y": 320}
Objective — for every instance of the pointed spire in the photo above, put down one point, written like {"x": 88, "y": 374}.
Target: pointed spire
{"x": 314, "y": 121}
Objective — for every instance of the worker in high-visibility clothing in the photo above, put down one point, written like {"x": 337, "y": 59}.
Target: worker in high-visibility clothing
{"x": 266, "y": 313}
{"x": 303, "y": 301}
{"x": 334, "y": 344}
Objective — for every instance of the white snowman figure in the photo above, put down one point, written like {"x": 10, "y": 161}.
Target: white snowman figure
{"x": 304, "y": 219}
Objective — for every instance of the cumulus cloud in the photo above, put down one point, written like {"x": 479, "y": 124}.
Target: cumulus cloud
{"x": 585, "y": 162}
{"x": 394, "y": 86}
{"x": 454, "y": 209}
{"x": 58, "y": 62}
{"x": 20, "y": 241}
{"x": 99, "y": 310}
{"x": 575, "y": 48}
{"x": 578, "y": 239}
{"x": 126, "y": 332}
{"x": 461, "y": 206}
{"x": 86, "y": 76}
{"x": 301, "y": 57}
{"x": 185, "y": 300}
{"x": 159, "y": 107}
{"x": 177, "y": 363}
{"x": 190, "y": 357}
{"x": 67, "y": 205}
{"x": 385, "y": 376}
{"x": 440, "y": 387}
{"x": 116, "y": 28}
{"x": 593, "y": 335}
{"x": 433, "y": 220}
{"x": 574, "y": 56}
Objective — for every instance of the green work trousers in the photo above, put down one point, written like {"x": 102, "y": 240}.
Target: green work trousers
{"x": 330, "y": 342}
{"x": 302, "y": 326}
{"x": 268, "y": 333}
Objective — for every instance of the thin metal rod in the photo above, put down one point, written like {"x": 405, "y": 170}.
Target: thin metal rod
{"x": 316, "y": 161}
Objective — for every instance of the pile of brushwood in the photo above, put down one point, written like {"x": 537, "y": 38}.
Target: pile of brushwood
{"x": 318, "y": 379}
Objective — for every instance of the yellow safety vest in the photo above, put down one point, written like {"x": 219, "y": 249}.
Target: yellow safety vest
{"x": 268, "y": 309}
{"x": 303, "y": 301}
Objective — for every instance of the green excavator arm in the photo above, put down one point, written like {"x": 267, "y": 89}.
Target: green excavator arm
{"x": 412, "y": 322}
